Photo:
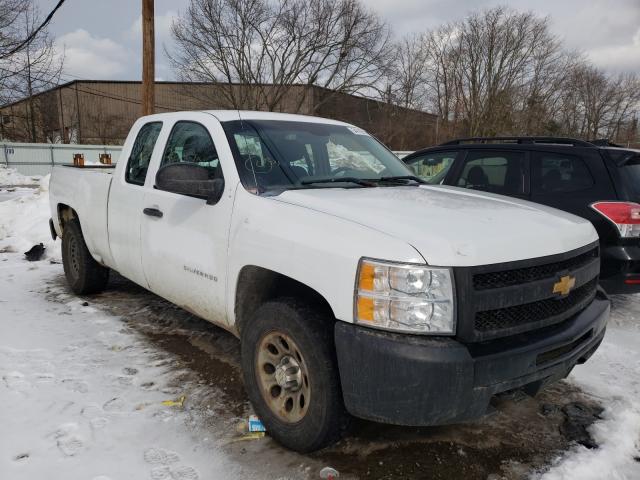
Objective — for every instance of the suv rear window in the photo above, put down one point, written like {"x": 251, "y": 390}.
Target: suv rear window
{"x": 629, "y": 170}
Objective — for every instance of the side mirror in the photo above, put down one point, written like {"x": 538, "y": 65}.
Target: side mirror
{"x": 190, "y": 179}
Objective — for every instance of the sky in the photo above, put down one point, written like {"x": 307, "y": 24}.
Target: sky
{"x": 102, "y": 38}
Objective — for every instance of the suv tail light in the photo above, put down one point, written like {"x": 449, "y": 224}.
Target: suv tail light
{"x": 624, "y": 215}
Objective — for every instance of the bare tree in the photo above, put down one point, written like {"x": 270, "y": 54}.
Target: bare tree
{"x": 594, "y": 104}
{"x": 500, "y": 71}
{"x": 407, "y": 77}
{"x": 10, "y": 37}
{"x": 34, "y": 68}
{"x": 260, "y": 52}
{"x": 501, "y": 53}
{"x": 443, "y": 77}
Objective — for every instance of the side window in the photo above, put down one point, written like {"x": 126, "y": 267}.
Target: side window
{"x": 498, "y": 172}
{"x": 190, "y": 142}
{"x": 432, "y": 167}
{"x": 138, "y": 162}
{"x": 559, "y": 173}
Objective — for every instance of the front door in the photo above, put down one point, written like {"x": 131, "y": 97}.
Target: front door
{"x": 184, "y": 240}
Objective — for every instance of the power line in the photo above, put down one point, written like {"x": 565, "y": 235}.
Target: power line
{"x": 21, "y": 45}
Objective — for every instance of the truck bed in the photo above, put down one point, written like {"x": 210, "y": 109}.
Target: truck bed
{"x": 85, "y": 190}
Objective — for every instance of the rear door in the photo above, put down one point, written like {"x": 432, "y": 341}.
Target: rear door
{"x": 572, "y": 180}
{"x": 505, "y": 172}
{"x": 126, "y": 198}
{"x": 184, "y": 240}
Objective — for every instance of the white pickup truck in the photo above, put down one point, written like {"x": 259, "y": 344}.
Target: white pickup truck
{"x": 354, "y": 288}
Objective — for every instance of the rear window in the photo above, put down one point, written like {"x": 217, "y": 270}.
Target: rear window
{"x": 630, "y": 174}
{"x": 629, "y": 169}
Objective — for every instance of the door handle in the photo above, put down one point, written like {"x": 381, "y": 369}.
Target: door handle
{"x": 152, "y": 212}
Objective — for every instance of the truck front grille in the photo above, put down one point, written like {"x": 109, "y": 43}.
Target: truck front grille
{"x": 511, "y": 298}
{"x": 503, "y": 318}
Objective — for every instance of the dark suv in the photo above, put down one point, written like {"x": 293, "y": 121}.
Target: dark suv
{"x": 597, "y": 181}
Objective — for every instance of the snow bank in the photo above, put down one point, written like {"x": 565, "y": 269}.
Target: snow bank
{"x": 10, "y": 177}
{"x": 612, "y": 375}
{"x": 24, "y": 222}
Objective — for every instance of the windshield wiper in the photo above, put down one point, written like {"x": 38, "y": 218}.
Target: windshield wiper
{"x": 357, "y": 181}
{"x": 401, "y": 178}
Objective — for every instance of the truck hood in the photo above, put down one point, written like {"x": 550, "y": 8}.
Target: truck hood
{"x": 452, "y": 226}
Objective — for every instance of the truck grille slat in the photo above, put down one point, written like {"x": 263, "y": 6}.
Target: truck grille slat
{"x": 483, "y": 281}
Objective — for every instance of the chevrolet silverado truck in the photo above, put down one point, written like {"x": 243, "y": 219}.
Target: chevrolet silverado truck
{"x": 354, "y": 288}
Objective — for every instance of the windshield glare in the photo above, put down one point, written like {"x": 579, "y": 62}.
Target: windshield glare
{"x": 281, "y": 155}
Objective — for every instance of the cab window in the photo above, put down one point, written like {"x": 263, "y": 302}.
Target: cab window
{"x": 432, "y": 167}
{"x": 140, "y": 156}
{"x": 190, "y": 142}
{"x": 556, "y": 173}
{"x": 504, "y": 173}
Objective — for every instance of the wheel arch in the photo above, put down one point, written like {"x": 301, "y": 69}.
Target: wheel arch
{"x": 256, "y": 285}
{"x": 65, "y": 214}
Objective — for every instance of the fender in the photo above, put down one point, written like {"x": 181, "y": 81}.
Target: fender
{"x": 307, "y": 246}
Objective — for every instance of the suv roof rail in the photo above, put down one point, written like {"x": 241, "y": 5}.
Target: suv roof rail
{"x": 522, "y": 140}
{"x": 605, "y": 142}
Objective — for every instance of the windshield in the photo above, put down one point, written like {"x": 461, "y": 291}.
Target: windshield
{"x": 272, "y": 156}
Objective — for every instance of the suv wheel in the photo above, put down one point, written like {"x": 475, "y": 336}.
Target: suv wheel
{"x": 291, "y": 375}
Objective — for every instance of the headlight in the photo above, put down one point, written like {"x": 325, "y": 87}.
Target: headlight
{"x": 405, "y": 297}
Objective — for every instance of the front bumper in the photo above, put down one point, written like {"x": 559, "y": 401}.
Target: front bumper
{"x": 620, "y": 269}
{"x": 418, "y": 380}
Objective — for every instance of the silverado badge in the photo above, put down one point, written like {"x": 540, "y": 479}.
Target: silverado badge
{"x": 564, "y": 285}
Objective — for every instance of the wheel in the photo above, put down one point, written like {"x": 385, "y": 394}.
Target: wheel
{"x": 83, "y": 273}
{"x": 291, "y": 375}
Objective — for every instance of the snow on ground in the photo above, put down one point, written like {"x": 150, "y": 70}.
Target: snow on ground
{"x": 24, "y": 218}
{"x": 612, "y": 376}
{"x": 81, "y": 399}
{"x": 9, "y": 177}
{"x": 81, "y": 396}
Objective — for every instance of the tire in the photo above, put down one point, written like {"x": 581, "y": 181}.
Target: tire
{"x": 83, "y": 273}
{"x": 318, "y": 420}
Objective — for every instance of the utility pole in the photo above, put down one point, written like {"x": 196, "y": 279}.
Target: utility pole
{"x": 148, "y": 57}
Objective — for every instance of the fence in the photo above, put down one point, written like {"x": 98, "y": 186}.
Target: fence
{"x": 39, "y": 158}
